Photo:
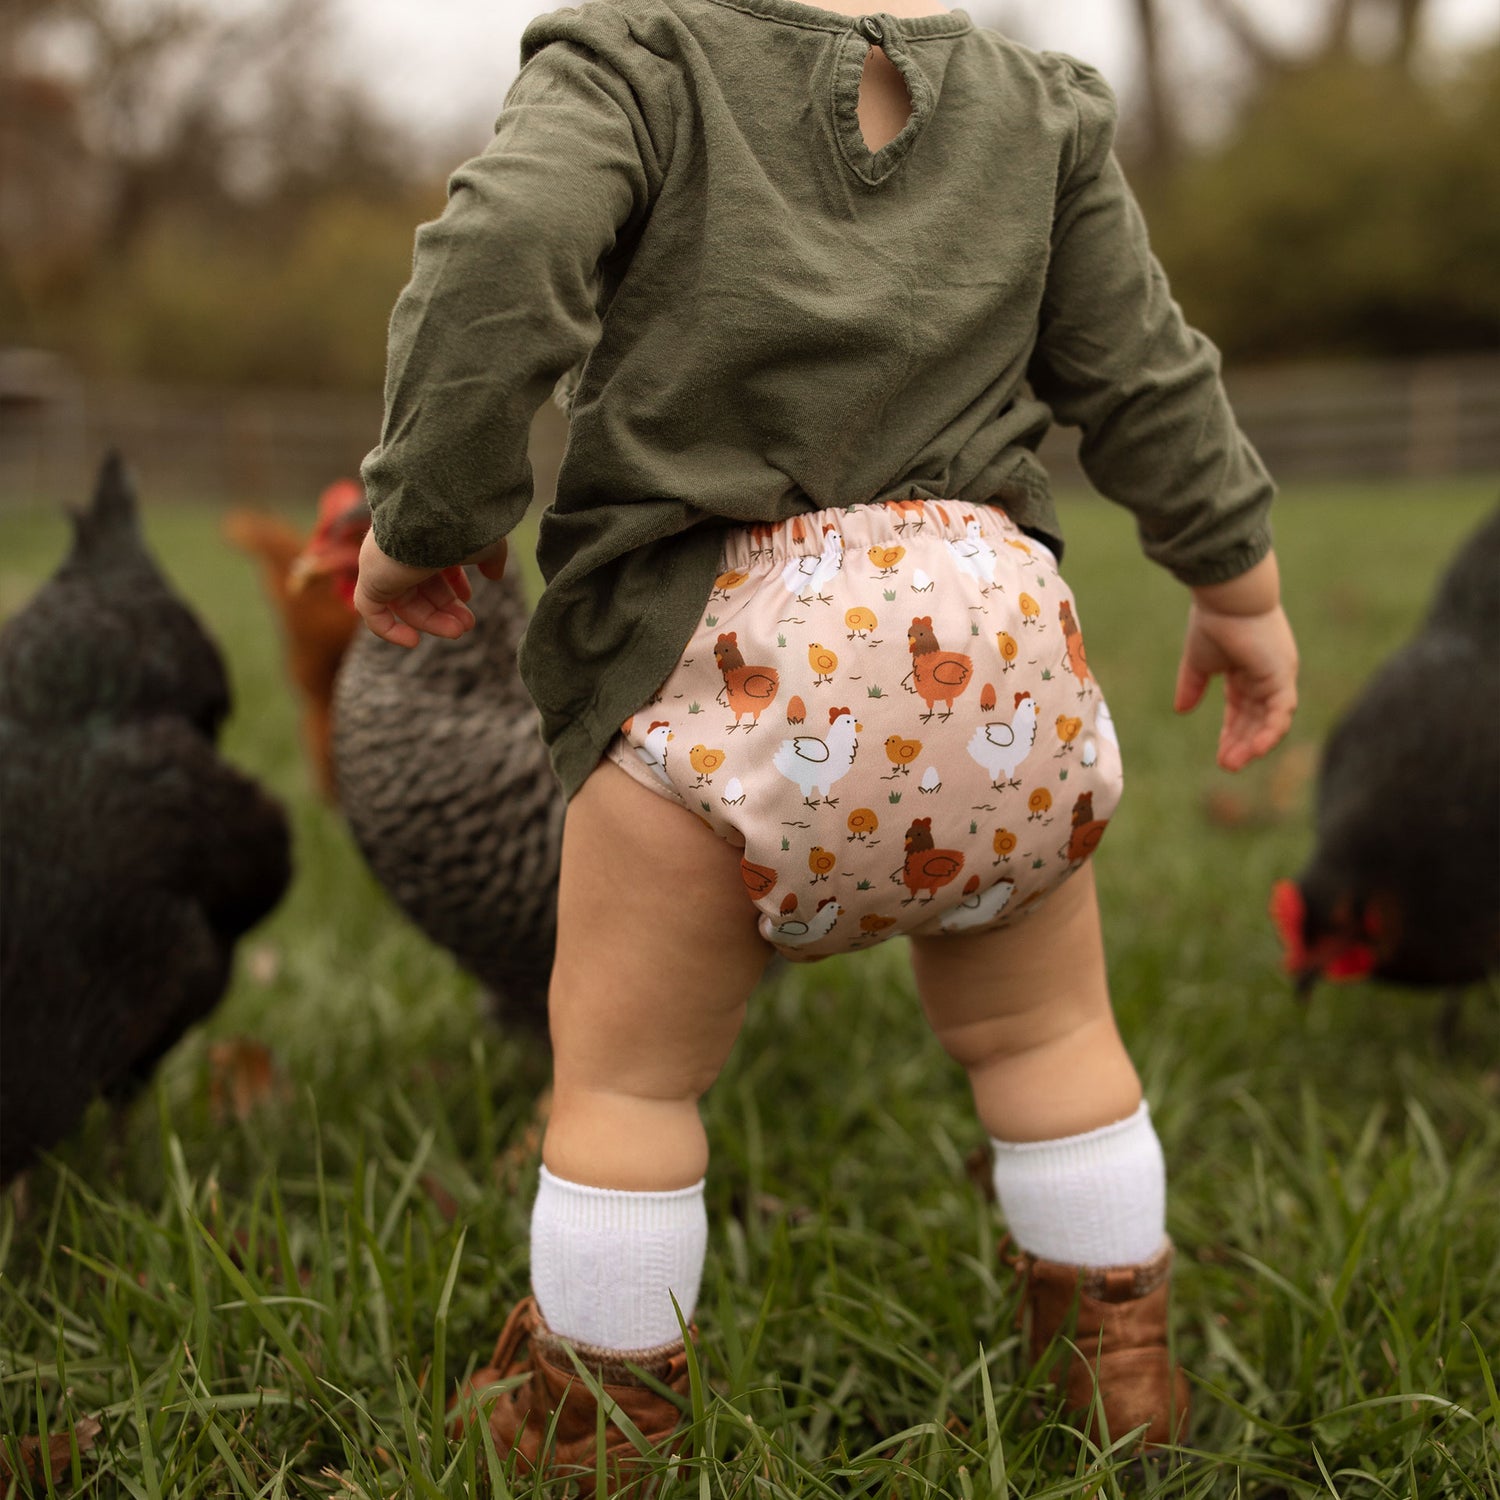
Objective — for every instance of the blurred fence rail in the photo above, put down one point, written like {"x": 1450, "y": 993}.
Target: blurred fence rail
{"x": 1421, "y": 418}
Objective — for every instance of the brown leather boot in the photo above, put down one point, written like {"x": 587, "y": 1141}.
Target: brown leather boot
{"x": 521, "y": 1416}
{"x": 1121, "y": 1334}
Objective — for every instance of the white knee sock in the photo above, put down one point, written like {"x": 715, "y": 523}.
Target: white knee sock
{"x": 1097, "y": 1199}
{"x": 603, "y": 1262}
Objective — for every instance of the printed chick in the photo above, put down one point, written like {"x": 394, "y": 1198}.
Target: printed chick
{"x": 705, "y": 762}
{"x": 937, "y": 676}
{"x": 747, "y": 689}
{"x": 727, "y": 582}
{"x": 823, "y": 662}
{"x": 1031, "y": 611}
{"x": 925, "y": 867}
{"x": 821, "y": 863}
{"x": 1009, "y": 650}
{"x": 886, "y": 559}
{"x": 1067, "y": 727}
{"x": 1403, "y": 883}
{"x": 901, "y": 753}
{"x": 860, "y": 622}
{"x": 862, "y": 823}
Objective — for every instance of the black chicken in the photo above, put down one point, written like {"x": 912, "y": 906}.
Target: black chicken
{"x": 444, "y": 780}
{"x": 131, "y": 856}
{"x": 1404, "y": 883}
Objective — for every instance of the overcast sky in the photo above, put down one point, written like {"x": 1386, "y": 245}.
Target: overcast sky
{"x": 447, "y": 63}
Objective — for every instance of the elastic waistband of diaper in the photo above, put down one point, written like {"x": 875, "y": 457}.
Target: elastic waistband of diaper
{"x": 885, "y": 523}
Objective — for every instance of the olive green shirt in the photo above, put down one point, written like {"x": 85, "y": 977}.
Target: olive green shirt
{"x": 771, "y": 319}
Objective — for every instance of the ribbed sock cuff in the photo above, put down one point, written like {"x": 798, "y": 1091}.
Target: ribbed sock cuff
{"x": 605, "y": 1263}
{"x": 1096, "y": 1199}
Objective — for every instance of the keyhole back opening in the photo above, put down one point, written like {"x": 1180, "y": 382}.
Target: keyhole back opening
{"x": 885, "y": 103}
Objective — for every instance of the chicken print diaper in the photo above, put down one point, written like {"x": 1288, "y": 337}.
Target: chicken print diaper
{"x": 890, "y": 711}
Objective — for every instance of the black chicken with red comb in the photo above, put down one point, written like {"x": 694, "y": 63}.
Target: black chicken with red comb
{"x": 1404, "y": 882}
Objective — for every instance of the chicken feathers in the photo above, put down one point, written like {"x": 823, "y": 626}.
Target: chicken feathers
{"x": 133, "y": 857}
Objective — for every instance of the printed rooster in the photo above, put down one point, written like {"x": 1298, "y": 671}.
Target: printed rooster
{"x": 134, "y": 858}
{"x": 978, "y": 907}
{"x": 1404, "y": 880}
{"x": 794, "y": 931}
{"x": 1000, "y": 748}
{"x": 974, "y": 554}
{"x": 937, "y": 676}
{"x": 925, "y": 867}
{"x": 809, "y": 576}
{"x": 817, "y": 765}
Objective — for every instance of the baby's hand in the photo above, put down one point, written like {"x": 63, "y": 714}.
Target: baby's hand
{"x": 1234, "y": 632}
{"x": 399, "y": 603}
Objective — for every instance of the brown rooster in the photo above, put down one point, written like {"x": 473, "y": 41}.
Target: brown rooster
{"x": 315, "y": 608}
{"x": 925, "y": 867}
{"x": 938, "y": 676}
{"x": 747, "y": 690}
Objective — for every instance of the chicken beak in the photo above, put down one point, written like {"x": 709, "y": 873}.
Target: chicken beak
{"x": 858, "y": 727}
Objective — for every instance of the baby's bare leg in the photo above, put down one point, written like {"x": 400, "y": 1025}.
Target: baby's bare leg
{"x": 657, "y": 953}
{"x": 1025, "y": 1009}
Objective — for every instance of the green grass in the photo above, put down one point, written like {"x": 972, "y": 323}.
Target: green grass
{"x": 278, "y": 1306}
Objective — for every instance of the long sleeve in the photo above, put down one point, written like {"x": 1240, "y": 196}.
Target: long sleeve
{"x": 1116, "y": 358}
{"x": 504, "y": 299}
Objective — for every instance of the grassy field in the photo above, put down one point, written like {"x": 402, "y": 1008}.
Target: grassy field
{"x": 277, "y": 1304}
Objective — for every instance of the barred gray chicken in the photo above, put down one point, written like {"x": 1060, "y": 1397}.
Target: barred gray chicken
{"x": 446, "y": 786}
{"x": 131, "y": 857}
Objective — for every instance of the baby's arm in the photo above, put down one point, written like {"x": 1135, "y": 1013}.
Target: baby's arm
{"x": 504, "y": 298}
{"x": 1239, "y": 629}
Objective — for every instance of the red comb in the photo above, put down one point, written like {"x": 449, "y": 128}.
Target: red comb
{"x": 1289, "y": 912}
{"x": 341, "y": 495}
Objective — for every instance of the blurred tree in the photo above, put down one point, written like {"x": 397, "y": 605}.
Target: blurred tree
{"x": 1401, "y": 20}
{"x": 1353, "y": 212}
{"x": 164, "y": 144}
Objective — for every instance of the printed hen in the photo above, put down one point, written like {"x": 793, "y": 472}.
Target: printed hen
{"x": 1404, "y": 881}
{"x": 133, "y": 857}
{"x": 445, "y": 783}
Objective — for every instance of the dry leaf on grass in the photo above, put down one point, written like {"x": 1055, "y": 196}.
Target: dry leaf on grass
{"x": 47, "y": 1460}
{"x": 242, "y": 1076}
